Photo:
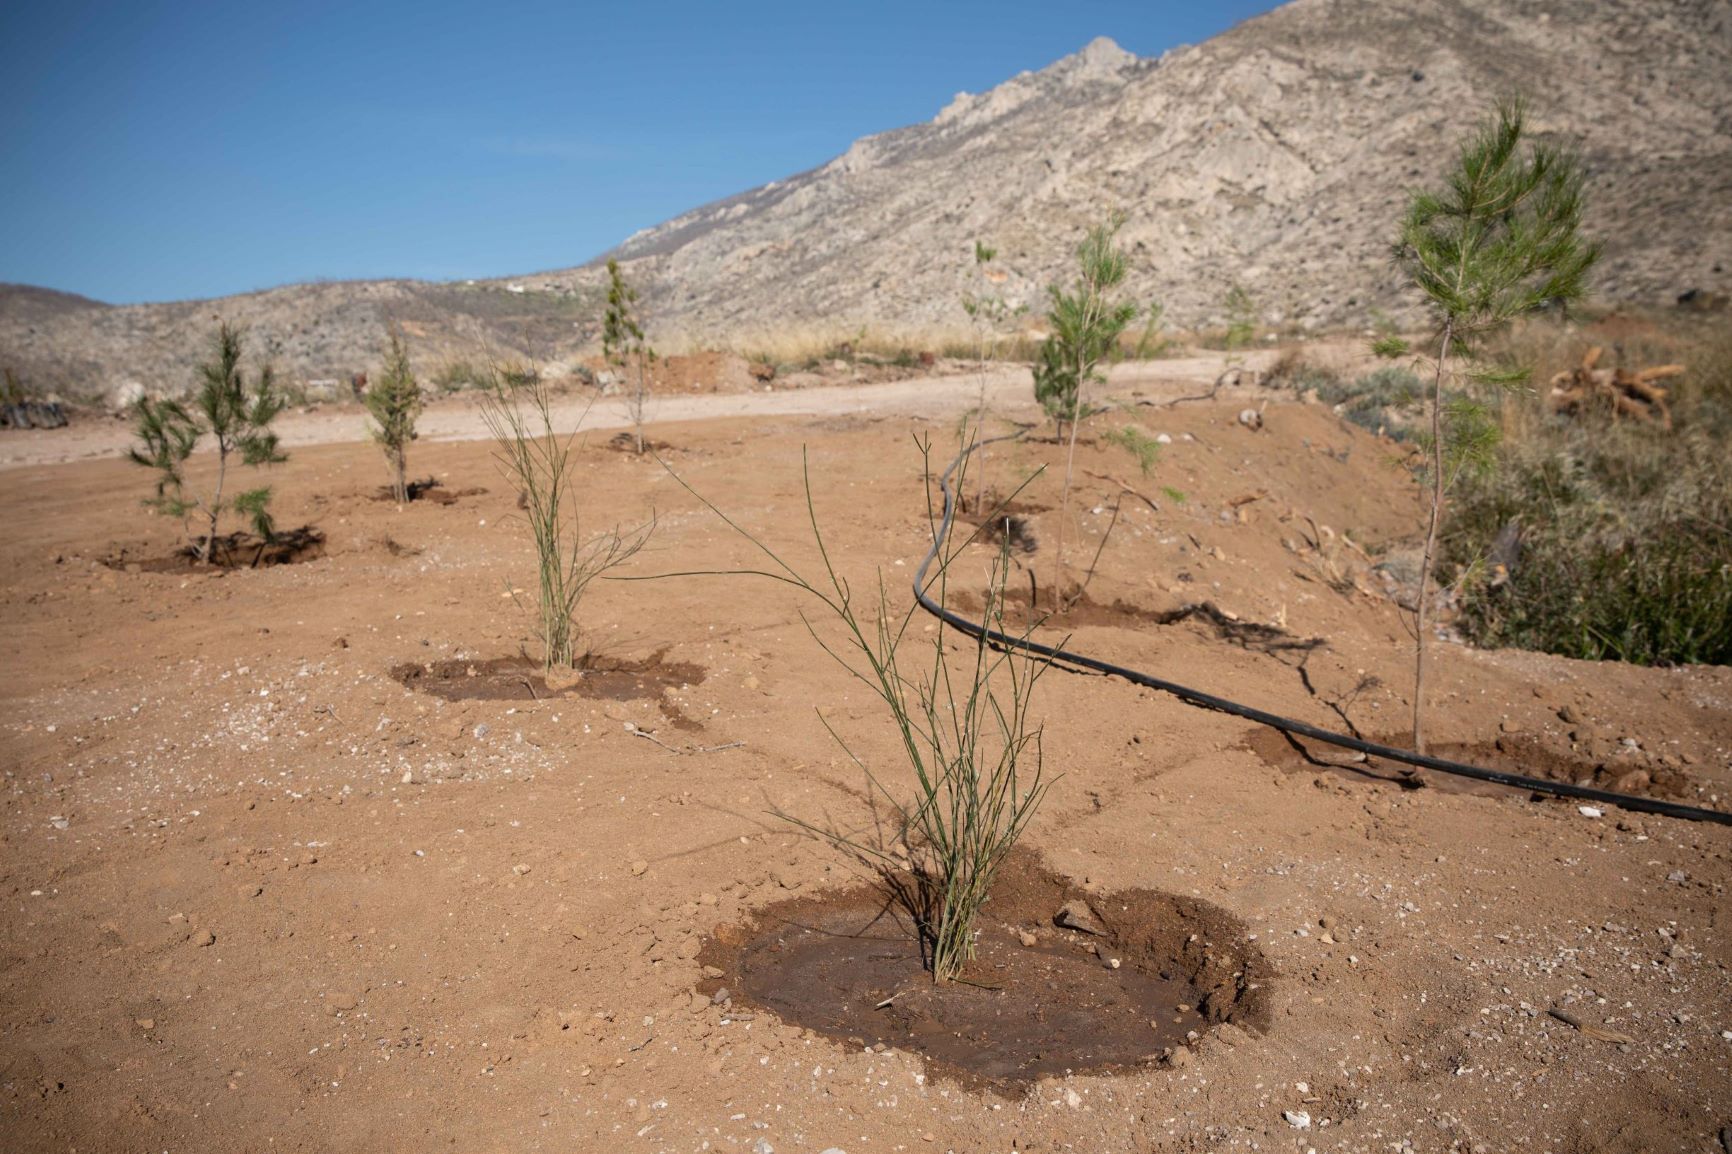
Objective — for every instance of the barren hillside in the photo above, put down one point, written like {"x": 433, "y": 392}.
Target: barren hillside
{"x": 1274, "y": 157}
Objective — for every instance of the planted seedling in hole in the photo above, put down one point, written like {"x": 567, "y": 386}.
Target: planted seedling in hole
{"x": 1138, "y": 444}
{"x": 961, "y": 721}
{"x": 624, "y": 346}
{"x": 988, "y": 313}
{"x": 236, "y": 417}
{"x": 394, "y": 401}
{"x": 1501, "y": 239}
{"x": 1241, "y": 320}
{"x": 1085, "y": 325}
{"x": 518, "y": 412}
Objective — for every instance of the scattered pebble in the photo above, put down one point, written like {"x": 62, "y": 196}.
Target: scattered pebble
{"x": 1590, "y": 811}
{"x": 1298, "y": 1119}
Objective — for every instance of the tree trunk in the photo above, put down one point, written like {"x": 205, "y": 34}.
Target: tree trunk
{"x": 1058, "y": 603}
{"x": 208, "y": 553}
{"x": 637, "y": 407}
{"x": 1430, "y": 557}
{"x": 400, "y": 459}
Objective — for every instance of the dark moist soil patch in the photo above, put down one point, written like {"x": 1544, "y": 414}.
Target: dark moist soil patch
{"x": 1510, "y": 753}
{"x": 829, "y": 963}
{"x": 517, "y": 679}
{"x": 235, "y": 551}
{"x": 627, "y": 443}
{"x": 429, "y": 489}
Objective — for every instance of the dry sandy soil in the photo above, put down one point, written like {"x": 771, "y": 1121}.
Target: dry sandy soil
{"x": 260, "y": 895}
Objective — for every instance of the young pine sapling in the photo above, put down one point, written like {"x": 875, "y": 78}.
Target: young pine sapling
{"x": 1501, "y": 239}
{"x": 625, "y": 347}
{"x": 236, "y": 417}
{"x": 1085, "y": 326}
{"x": 394, "y": 401}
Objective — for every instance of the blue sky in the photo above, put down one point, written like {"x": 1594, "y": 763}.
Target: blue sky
{"x": 158, "y": 151}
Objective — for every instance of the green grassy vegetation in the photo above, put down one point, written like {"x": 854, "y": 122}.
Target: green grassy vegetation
{"x": 1602, "y": 538}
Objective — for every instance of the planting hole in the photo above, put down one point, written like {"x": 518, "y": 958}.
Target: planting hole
{"x": 516, "y": 679}
{"x": 428, "y": 489}
{"x": 234, "y": 551}
{"x": 1530, "y": 756}
{"x": 1020, "y": 1012}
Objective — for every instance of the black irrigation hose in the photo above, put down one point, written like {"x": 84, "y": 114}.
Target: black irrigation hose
{"x": 1285, "y": 724}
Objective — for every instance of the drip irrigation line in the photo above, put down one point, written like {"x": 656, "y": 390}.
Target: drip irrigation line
{"x": 1287, "y": 725}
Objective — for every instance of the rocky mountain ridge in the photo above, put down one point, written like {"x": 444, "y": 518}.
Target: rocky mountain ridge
{"x": 1274, "y": 158}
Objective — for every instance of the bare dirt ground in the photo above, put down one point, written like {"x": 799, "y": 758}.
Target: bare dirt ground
{"x": 259, "y": 894}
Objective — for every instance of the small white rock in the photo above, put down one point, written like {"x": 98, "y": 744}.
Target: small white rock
{"x": 1590, "y": 811}
{"x": 1298, "y": 1119}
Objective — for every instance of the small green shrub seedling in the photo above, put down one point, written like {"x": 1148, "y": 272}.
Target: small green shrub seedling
{"x": 1501, "y": 239}
{"x": 1085, "y": 327}
{"x": 1138, "y": 444}
{"x": 1241, "y": 320}
{"x": 518, "y": 412}
{"x": 236, "y": 417}
{"x": 626, "y": 349}
{"x": 394, "y": 402}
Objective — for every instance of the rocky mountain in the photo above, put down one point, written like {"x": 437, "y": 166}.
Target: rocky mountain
{"x": 1275, "y": 158}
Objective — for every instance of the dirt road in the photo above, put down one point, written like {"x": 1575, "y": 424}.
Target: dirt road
{"x": 458, "y": 418}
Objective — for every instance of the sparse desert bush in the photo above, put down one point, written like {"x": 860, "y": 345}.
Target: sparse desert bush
{"x": 456, "y": 375}
{"x": 1385, "y": 400}
{"x": 962, "y": 722}
{"x": 394, "y": 401}
{"x": 1138, "y": 444}
{"x": 1151, "y": 342}
{"x": 1241, "y": 320}
{"x": 624, "y": 346}
{"x": 1294, "y": 370}
{"x": 803, "y": 349}
{"x": 519, "y": 414}
{"x": 1500, "y": 241}
{"x": 236, "y": 417}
